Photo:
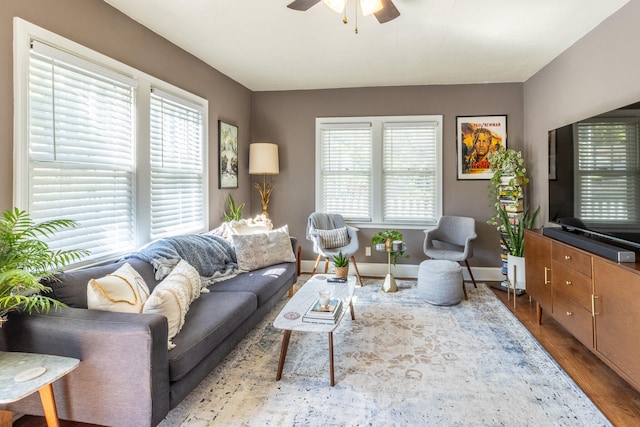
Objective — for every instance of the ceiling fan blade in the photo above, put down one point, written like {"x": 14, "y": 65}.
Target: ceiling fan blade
{"x": 302, "y": 4}
{"x": 388, "y": 12}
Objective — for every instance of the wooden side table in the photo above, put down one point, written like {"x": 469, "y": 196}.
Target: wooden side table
{"x": 22, "y": 374}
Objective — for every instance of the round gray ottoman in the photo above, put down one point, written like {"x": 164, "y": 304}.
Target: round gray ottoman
{"x": 440, "y": 282}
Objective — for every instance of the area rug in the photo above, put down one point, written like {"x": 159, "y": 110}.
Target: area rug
{"x": 401, "y": 362}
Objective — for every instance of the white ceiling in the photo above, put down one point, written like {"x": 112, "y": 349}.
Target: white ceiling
{"x": 264, "y": 45}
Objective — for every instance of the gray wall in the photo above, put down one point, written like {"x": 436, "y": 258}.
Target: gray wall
{"x": 102, "y": 28}
{"x": 288, "y": 119}
{"x": 598, "y": 73}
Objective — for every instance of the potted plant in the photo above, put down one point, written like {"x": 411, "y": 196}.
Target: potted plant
{"x": 386, "y": 238}
{"x": 235, "y": 211}
{"x": 513, "y": 241}
{"x": 341, "y": 264}
{"x": 508, "y": 173}
{"x": 26, "y": 260}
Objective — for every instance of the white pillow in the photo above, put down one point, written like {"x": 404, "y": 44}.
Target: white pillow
{"x": 254, "y": 251}
{"x": 337, "y": 238}
{"x": 124, "y": 291}
{"x": 172, "y": 297}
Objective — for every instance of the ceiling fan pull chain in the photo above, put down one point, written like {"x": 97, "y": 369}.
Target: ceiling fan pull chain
{"x": 356, "y": 10}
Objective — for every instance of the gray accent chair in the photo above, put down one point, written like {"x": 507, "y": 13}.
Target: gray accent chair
{"x": 452, "y": 240}
{"x": 325, "y": 221}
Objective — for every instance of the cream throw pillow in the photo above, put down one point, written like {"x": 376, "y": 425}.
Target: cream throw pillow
{"x": 337, "y": 238}
{"x": 172, "y": 297}
{"x": 124, "y": 291}
{"x": 255, "y": 251}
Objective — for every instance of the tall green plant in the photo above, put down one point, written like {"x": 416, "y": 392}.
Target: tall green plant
{"x": 26, "y": 260}
{"x": 235, "y": 211}
{"x": 514, "y": 241}
{"x": 505, "y": 163}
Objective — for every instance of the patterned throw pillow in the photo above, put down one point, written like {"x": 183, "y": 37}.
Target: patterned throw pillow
{"x": 255, "y": 251}
{"x": 124, "y": 291}
{"x": 330, "y": 239}
{"x": 173, "y": 296}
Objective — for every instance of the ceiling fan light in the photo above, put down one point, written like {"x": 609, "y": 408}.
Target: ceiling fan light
{"x": 336, "y": 5}
{"x": 370, "y": 6}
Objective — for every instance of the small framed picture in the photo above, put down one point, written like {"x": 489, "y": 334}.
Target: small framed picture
{"x": 477, "y": 136}
{"x": 227, "y": 155}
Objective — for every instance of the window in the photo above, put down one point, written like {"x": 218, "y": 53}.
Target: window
{"x": 380, "y": 170}
{"x": 177, "y": 165}
{"x": 608, "y": 166}
{"x": 97, "y": 145}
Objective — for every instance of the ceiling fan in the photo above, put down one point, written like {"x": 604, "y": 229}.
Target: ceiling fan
{"x": 384, "y": 10}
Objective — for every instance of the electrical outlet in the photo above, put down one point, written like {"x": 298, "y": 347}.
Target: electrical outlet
{"x": 367, "y": 251}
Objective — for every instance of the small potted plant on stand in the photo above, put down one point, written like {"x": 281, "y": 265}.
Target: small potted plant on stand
{"x": 514, "y": 244}
{"x": 383, "y": 241}
{"x": 26, "y": 260}
{"x": 341, "y": 265}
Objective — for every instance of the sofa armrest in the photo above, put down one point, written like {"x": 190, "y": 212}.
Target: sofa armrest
{"x": 123, "y": 376}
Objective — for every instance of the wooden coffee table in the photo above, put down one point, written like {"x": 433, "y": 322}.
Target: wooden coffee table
{"x": 290, "y": 317}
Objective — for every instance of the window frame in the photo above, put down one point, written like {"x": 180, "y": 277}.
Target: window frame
{"x": 24, "y": 32}
{"x": 377, "y": 128}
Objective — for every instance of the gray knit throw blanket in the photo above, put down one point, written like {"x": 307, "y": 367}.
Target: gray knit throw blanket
{"x": 213, "y": 257}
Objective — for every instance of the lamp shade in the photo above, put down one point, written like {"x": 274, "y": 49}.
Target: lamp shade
{"x": 263, "y": 159}
{"x": 370, "y": 6}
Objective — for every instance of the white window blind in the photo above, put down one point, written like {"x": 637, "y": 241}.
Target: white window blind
{"x": 346, "y": 152}
{"x": 410, "y": 172}
{"x": 608, "y": 171}
{"x": 81, "y": 142}
{"x": 177, "y": 174}
{"x": 380, "y": 170}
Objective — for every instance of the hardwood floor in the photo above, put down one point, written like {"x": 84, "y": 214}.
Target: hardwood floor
{"x": 615, "y": 398}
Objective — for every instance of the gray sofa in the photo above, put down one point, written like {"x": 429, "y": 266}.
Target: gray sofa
{"x": 127, "y": 377}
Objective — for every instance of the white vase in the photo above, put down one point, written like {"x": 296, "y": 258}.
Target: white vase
{"x": 516, "y": 264}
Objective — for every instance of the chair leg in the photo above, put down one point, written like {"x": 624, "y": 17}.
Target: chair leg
{"x": 471, "y": 274}
{"x": 326, "y": 265}
{"x": 315, "y": 266}
{"x": 464, "y": 289}
{"x": 353, "y": 260}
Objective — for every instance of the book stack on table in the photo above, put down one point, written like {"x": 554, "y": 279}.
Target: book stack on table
{"x": 322, "y": 314}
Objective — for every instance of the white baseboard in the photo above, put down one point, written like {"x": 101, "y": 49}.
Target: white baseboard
{"x": 409, "y": 271}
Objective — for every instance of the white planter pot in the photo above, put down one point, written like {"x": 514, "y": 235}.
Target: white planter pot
{"x": 516, "y": 264}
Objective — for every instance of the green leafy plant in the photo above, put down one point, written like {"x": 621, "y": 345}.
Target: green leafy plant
{"x": 514, "y": 231}
{"x": 26, "y": 260}
{"x": 340, "y": 260}
{"x": 387, "y": 237}
{"x": 234, "y": 212}
{"x": 505, "y": 163}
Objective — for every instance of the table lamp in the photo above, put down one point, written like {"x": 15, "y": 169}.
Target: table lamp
{"x": 263, "y": 159}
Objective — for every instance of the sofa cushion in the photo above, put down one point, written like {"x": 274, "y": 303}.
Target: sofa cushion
{"x": 259, "y": 250}
{"x": 71, "y": 286}
{"x": 264, "y": 282}
{"x": 173, "y": 296}
{"x": 123, "y": 290}
{"x": 211, "y": 318}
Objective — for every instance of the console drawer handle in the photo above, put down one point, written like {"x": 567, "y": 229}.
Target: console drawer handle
{"x": 546, "y": 276}
{"x": 569, "y": 313}
{"x": 568, "y": 283}
{"x": 567, "y": 257}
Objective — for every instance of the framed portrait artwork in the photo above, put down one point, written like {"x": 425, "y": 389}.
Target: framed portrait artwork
{"x": 227, "y": 155}
{"x": 477, "y": 136}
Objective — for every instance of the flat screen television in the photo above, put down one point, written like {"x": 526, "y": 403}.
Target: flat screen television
{"x": 594, "y": 177}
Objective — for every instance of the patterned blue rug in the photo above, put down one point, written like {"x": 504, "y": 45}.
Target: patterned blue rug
{"x": 402, "y": 362}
